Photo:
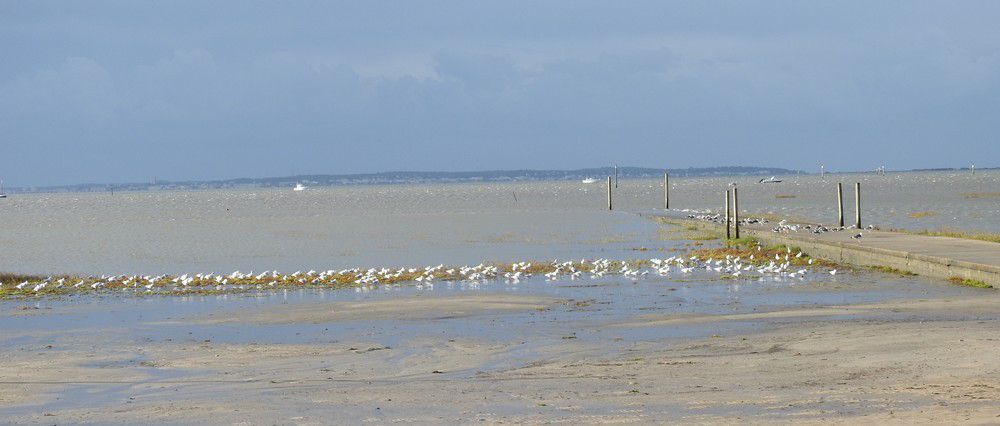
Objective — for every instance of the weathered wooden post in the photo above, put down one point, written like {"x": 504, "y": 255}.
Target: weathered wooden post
{"x": 857, "y": 205}
{"x": 666, "y": 190}
{"x": 736, "y": 213}
{"x": 609, "y": 193}
{"x": 840, "y": 204}
{"x": 727, "y": 214}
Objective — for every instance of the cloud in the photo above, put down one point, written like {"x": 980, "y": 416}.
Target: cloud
{"x": 367, "y": 87}
{"x": 79, "y": 91}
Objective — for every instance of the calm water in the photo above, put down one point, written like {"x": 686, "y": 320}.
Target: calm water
{"x": 405, "y": 225}
{"x": 216, "y": 231}
{"x": 957, "y": 200}
{"x": 115, "y": 325}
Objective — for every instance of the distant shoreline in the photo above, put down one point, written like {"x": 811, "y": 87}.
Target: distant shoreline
{"x": 412, "y": 177}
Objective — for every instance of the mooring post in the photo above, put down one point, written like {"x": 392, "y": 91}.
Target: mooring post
{"x": 616, "y": 175}
{"x": 666, "y": 191}
{"x": 840, "y": 204}
{"x": 727, "y": 214}
{"x": 609, "y": 193}
{"x": 857, "y": 205}
{"x": 736, "y": 213}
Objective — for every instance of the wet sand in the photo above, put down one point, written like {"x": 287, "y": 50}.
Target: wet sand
{"x": 406, "y": 309}
{"x": 918, "y": 360}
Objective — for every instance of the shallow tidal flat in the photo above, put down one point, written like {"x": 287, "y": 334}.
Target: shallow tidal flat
{"x": 873, "y": 348}
{"x": 701, "y": 346}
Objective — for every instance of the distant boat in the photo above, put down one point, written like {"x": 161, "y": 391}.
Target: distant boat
{"x": 589, "y": 180}
{"x": 771, "y": 179}
{"x": 299, "y": 187}
{"x": 3, "y": 194}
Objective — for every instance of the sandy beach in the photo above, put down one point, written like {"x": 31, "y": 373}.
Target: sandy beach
{"x": 924, "y": 361}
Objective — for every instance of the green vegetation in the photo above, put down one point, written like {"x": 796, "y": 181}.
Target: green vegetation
{"x": 743, "y": 242}
{"x": 781, "y": 196}
{"x": 7, "y": 278}
{"x": 921, "y": 215}
{"x": 684, "y": 232}
{"x": 14, "y": 286}
{"x": 751, "y": 252}
{"x": 703, "y": 237}
{"x": 893, "y": 271}
{"x": 969, "y": 282}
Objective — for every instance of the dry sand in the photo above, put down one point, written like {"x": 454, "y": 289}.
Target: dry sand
{"x": 932, "y": 361}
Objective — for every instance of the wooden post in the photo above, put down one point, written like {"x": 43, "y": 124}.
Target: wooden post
{"x": 736, "y": 213}
{"x": 616, "y": 175}
{"x": 857, "y": 205}
{"x": 727, "y": 214}
{"x": 666, "y": 190}
{"x": 609, "y": 193}
{"x": 840, "y": 204}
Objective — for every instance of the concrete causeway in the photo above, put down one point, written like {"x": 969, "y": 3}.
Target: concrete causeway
{"x": 939, "y": 257}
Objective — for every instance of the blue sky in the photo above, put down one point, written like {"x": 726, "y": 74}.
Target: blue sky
{"x": 125, "y": 91}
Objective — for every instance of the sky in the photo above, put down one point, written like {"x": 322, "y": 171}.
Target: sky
{"x": 189, "y": 90}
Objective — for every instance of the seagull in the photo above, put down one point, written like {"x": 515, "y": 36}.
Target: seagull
{"x": 857, "y": 237}
{"x": 833, "y": 272}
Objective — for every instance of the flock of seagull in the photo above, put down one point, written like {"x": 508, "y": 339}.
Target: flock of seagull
{"x": 362, "y": 279}
{"x": 783, "y": 226}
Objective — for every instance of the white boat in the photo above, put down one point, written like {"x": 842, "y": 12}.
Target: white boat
{"x": 771, "y": 179}
{"x": 299, "y": 187}
{"x": 589, "y": 180}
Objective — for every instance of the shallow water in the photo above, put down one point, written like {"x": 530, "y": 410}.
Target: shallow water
{"x": 910, "y": 200}
{"x": 322, "y": 228}
{"x": 215, "y": 231}
{"x": 608, "y": 299}
{"x": 116, "y": 328}
{"x": 414, "y": 225}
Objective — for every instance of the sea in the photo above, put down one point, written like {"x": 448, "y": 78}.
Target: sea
{"x": 336, "y": 227}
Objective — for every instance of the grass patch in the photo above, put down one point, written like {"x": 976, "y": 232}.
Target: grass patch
{"x": 921, "y": 215}
{"x": 686, "y": 232}
{"x": 242, "y": 283}
{"x": 969, "y": 282}
{"x": 752, "y": 253}
{"x": 981, "y": 195}
{"x": 703, "y": 237}
{"x": 8, "y": 278}
{"x": 893, "y": 271}
{"x": 781, "y": 196}
{"x": 744, "y": 242}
